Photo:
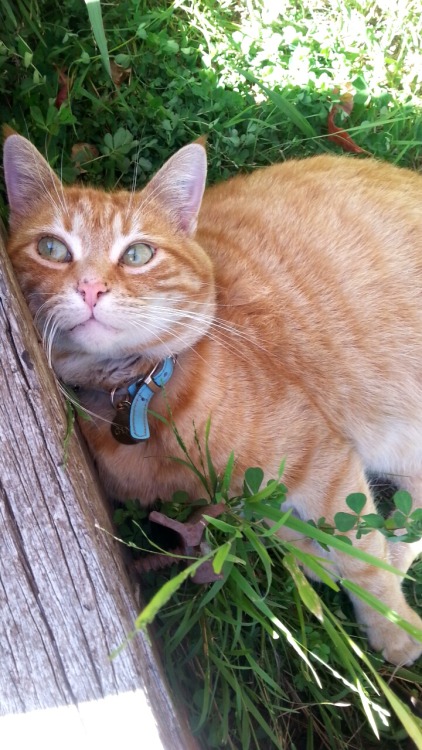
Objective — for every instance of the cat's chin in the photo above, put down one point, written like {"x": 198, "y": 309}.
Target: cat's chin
{"x": 93, "y": 336}
{"x": 101, "y": 341}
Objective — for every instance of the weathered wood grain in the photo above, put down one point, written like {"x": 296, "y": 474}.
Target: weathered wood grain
{"x": 65, "y": 600}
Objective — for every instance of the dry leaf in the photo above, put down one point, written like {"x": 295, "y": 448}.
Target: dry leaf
{"x": 119, "y": 74}
{"x": 338, "y": 135}
{"x": 81, "y": 153}
{"x": 63, "y": 91}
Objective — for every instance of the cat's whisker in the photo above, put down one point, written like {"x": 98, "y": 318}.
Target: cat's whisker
{"x": 170, "y": 352}
{"x": 48, "y": 336}
{"x": 57, "y": 185}
{"x": 74, "y": 401}
{"x": 200, "y": 317}
{"x": 228, "y": 345}
{"x": 52, "y": 302}
{"x": 146, "y": 200}
{"x": 134, "y": 181}
{"x": 216, "y": 323}
{"x": 45, "y": 328}
{"x": 190, "y": 301}
{"x": 141, "y": 325}
{"x": 40, "y": 311}
{"x": 52, "y": 334}
{"x": 50, "y": 342}
{"x": 51, "y": 325}
{"x": 204, "y": 323}
{"x": 63, "y": 202}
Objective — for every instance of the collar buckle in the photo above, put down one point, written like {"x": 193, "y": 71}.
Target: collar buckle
{"x": 137, "y": 396}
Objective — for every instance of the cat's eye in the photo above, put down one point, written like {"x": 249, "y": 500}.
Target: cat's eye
{"x": 137, "y": 255}
{"x": 53, "y": 249}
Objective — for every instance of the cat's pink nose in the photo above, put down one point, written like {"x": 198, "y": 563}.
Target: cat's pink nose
{"x": 91, "y": 291}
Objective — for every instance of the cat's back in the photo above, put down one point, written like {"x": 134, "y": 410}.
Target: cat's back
{"x": 315, "y": 195}
{"x": 324, "y": 257}
{"x": 323, "y": 173}
{"x": 327, "y": 221}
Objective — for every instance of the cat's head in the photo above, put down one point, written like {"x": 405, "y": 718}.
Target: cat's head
{"x": 110, "y": 274}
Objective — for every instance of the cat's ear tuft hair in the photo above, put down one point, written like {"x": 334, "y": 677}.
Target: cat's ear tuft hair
{"x": 202, "y": 140}
{"x": 7, "y": 130}
{"x": 179, "y": 185}
{"x": 27, "y": 174}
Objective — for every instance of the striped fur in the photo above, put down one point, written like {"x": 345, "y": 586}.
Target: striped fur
{"x": 294, "y": 303}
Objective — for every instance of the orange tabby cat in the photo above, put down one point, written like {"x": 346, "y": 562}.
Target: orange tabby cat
{"x": 292, "y": 299}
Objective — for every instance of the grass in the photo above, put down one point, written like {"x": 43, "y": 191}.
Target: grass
{"x": 262, "y": 657}
{"x": 108, "y": 93}
{"x": 260, "y": 87}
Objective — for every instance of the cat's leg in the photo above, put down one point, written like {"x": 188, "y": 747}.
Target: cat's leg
{"x": 335, "y": 474}
{"x": 396, "y": 452}
{"x": 403, "y": 554}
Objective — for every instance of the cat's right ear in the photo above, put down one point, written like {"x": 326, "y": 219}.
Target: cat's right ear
{"x": 27, "y": 175}
{"x": 179, "y": 185}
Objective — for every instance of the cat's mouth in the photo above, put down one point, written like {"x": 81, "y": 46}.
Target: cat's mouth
{"x": 91, "y": 325}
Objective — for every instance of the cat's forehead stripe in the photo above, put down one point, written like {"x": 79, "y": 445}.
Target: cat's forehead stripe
{"x": 96, "y": 210}
{"x": 94, "y": 227}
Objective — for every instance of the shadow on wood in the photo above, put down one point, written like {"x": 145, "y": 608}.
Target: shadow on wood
{"x": 65, "y": 599}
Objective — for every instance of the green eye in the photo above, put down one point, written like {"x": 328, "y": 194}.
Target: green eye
{"x": 53, "y": 249}
{"x": 137, "y": 255}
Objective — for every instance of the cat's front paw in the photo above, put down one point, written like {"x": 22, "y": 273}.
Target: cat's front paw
{"x": 397, "y": 646}
{"x": 403, "y": 651}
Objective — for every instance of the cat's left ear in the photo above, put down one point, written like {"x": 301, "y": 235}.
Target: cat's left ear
{"x": 179, "y": 185}
{"x": 27, "y": 174}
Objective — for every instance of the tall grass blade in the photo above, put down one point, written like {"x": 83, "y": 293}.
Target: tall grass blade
{"x": 382, "y": 608}
{"x": 211, "y": 471}
{"x": 228, "y": 473}
{"x": 286, "y": 108}
{"x": 244, "y": 699}
{"x": 31, "y": 18}
{"x": 313, "y": 563}
{"x": 8, "y": 10}
{"x": 412, "y": 724}
{"x": 262, "y": 553}
{"x": 165, "y": 593}
{"x": 321, "y": 536}
{"x": 306, "y": 592}
{"x": 96, "y": 19}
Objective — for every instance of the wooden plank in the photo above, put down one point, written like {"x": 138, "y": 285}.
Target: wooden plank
{"x": 65, "y": 599}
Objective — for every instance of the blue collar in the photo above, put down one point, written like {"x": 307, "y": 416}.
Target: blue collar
{"x": 130, "y": 424}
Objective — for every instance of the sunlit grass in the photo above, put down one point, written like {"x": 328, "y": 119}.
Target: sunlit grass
{"x": 322, "y": 45}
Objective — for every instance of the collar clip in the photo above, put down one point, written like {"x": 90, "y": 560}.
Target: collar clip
{"x": 130, "y": 424}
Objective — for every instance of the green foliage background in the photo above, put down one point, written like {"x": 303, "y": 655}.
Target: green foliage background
{"x": 258, "y": 77}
